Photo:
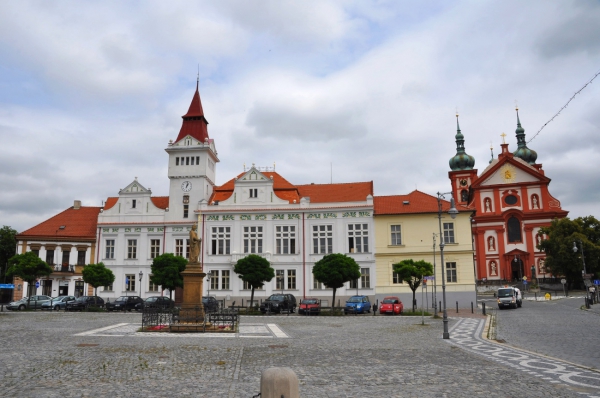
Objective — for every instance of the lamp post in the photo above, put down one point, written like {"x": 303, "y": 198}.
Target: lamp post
{"x": 584, "y": 271}
{"x": 434, "y": 281}
{"x": 453, "y": 212}
{"x": 141, "y": 276}
{"x": 208, "y": 284}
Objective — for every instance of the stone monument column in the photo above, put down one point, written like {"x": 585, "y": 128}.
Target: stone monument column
{"x": 193, "y": 279}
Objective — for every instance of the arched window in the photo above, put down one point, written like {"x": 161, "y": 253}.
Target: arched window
{"x": 514, "y": 229}
{"x": 464, "y": 195}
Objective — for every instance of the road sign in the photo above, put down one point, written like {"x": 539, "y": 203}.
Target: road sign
{"x": 587, "y": 276}
{"x": 596, "y": 281}
{"x": 429, "y": 278}
{"x": 525, "y": 278}
{"x": 7, "y": 286}
{"x": 563, "y": 281}
{"x": 548, "y": 296}
{"x": 37, "y": 284}
{"x": 524, "y": 282}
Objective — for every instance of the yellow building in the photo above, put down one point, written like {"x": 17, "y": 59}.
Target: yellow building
{"x": 405, "y": 228}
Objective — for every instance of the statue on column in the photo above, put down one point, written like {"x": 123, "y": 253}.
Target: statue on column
{"x": 194, "y": 245}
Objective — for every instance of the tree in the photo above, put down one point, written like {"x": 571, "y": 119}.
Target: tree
{"x": 8, "y": 247}
{"x": 28, "y": 266}
{"x": 561, "y": 260}
{"x": 335, "y": 269}
{"x": 255, "y": 270}
{"x": 412, "y": 272}
{"x": 97, "y": 275}
{"x": 166, "y": 271}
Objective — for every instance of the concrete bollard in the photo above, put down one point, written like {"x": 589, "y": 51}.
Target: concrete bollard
{"x": 483, "y": 308}
{"x": 279, "y": 382}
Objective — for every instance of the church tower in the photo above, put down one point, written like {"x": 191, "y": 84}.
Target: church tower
{"x": 462, "y": 173}
{"x": 192, "y": 164}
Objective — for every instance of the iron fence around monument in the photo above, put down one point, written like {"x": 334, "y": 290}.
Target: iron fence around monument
{"x": 189, "y": 319}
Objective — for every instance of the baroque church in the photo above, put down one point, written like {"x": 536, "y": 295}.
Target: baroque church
{"x": 511, "y": 202}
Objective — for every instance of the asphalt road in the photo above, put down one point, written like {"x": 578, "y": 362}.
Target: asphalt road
{"x": 558, "y": 328}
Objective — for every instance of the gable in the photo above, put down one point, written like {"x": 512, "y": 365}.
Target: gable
{"x": 509, "y": 171}
{"x": 134, "y": 187}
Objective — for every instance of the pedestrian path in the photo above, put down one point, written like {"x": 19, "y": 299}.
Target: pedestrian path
{"x": 269, "y": 330}
{"x": 466, "y": 333}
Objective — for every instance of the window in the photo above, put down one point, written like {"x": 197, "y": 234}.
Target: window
{"x": 322, "y": 239}
{"x": 254, "y": 192}
{"x": 396, "y": 235}
{"x": 358, "y": 239}
{"x": 291, "y": 279}
{"x": 133, "y": 202}
{"x": 317, "y": 284}
{"x": 179, "y": 247}
{"x": 365, "y": 278}
{"x": 177, "y": 161}
{"x": 248, "y": 287}
{"x": 131, "y": 248}
{"x": 50, "y": 257}
{"x": 154, "y": 248}
{"x": 279, "y": 279}
{"x": 186, "y": 209}
{"x": 66, "y": 256}
{"x": 451, "y": 272}
{"x": 108, "y": 288}
{"x": 110, "y": 249}
{"x": 221, "y": 240}
{"x": 47, "y": 287}
{"x": 253, "y": 239}
{"x": 187, "y": 248}
{"x": 353, "y": 284}
{"x": 396, "y": 278}
{"x": 130, "y": 283}
{"x": 448, "y": 232}
{"x": 225, "y": 280}
{"x": 197, "y": 159}
{"x": 36, "y": 251}
{"x": 81, "y": 257}
{"x": 192, "y": 156}
{"x": 514, "y": 229}
{"x": 151, "y": 286}
{"x": 511, "y": 200}
{"x": 285, "y": 239}
{"x": 187, "y": 160}
{"x": 214, "y": 280}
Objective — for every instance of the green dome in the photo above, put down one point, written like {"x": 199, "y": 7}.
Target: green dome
{"x": 522, "y": 152}
{"x": 461, "y": 161}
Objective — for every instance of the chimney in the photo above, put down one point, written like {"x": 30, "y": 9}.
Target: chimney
{"x": 77, "y": 204}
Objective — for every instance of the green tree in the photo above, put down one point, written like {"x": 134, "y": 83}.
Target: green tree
{"x": 412, "y": 272}
{"x": 561, "y": 260}
{"x": 166, "y": 271}
{"x": 8, "y": 247}
{"x": 28, "y": 266}
{"x": 97, "y": 275}
{"x": 255, "y": 270}
{"x": 335, "y": 269}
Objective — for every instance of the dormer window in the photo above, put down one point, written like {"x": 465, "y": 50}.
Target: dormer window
{"x": 254, "y": 192}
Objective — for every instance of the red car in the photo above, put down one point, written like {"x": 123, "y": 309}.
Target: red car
{"x": 391, "y": 305}
{"x": 309, "y": 306}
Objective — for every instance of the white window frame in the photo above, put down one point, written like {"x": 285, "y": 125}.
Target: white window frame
{"x": 131, "y": 249}
{"x": 365, "y": 278}
{"x": 179, "y": 247}
{"x": 358, "y": 237}
{"x": 253, "y": 239}
{"x": 322, "y": 235}
{"x": 291, "y": 279}
{"x": 154, "y": 248}
{"x": 220, "y": 240}
{"x": 451, "y": 272}
{"x": 246, "y": 286}
{"x": 130, "y": 287}
{"x": 396, "y": 234}
{"x": 109, "y": 249}
{"x": 225, "y": 279}
{"x": 214, "y": 279}
{"x": 151, "y": 286}
{"x": 285, "y": 239}
{"x": 449, "y": 232}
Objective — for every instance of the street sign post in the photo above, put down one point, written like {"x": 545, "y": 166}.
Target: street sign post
{"x": 564, "y": 283}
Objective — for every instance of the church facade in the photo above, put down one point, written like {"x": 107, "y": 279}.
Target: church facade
{"x": 511, "y": 201}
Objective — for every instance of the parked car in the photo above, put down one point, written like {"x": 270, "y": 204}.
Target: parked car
{"x": 509, "y": 297}
{"x": 358, "y": 304}
{"x": 391, "y": 305}
{"x": 34, "y": 302}
{"x": 57, "y": 303}
{"x": 309, "y": 306}
{"x": 124, "y": 303}
{"x": 155, "y": 302}
{"x": 210, "y": 304}
{"x": 85, "y": 302}
{"x": 278, "y": 303}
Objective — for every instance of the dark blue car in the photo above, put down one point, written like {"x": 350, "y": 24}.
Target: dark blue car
{"x": 357, "y": 304}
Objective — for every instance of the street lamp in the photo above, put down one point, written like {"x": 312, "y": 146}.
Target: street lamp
{"x": 141, "y": 276}
{"x": 583, "y": 272}
{"x": 434, "y": 281}
{"x": 453, "y": 212}
{"x": 208, "y": 284}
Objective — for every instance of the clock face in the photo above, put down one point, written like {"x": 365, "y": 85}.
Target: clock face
{"x": 463, "y": 182}
{"x": 186, "y": 186}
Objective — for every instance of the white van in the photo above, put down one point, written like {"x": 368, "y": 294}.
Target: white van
{"x": 509, "y": 297}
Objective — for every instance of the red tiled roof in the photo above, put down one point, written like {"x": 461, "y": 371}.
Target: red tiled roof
{"x": 345, "y": 192}
{"x": 162, "y": 202}
{"x": 418, "y": 202}
{"x": 78, "y": 223}
{"x": 318, "y": 193}
{"x": 194, "y": 122}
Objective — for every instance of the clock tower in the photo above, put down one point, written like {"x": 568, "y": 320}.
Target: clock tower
{"x": 192, "y": 164}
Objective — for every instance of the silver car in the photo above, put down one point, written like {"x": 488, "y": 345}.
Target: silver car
{"x": 34, "y": 302}
{"x": 57, "y": 303}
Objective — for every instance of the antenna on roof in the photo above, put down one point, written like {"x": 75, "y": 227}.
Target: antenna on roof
{"x": 198, "y": 77}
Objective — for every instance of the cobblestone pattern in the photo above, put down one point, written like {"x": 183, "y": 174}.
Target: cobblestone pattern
{"x": 361, "y": 356}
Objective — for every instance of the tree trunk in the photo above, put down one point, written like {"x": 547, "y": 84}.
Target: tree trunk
{"x": 414, "y": 299}
{"x": 252, "y": 297}
{"x": 333, "y": 302}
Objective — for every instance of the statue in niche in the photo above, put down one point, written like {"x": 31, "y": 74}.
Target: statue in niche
{"x": 534, "y": 201}
{"x": 541, "y": 266}
{"x": 488, "y": 205}
{"x": 491, "y": 243}
{"x": 493, "y": 268}
{"x": 194, "y": 245}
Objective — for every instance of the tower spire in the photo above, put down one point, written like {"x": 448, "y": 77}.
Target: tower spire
{"x": 194, "y": 122}
{"x": 461, "y": 161}
{"x": 528, "y": 155}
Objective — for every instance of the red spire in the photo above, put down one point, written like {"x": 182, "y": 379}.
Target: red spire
{"x": 194, "y": 122}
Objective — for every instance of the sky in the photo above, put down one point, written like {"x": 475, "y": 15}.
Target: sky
{"x": 344, "y": 91}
